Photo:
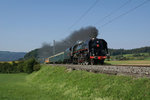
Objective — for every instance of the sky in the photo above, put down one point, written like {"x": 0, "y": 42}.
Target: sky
{"x": 26, "y": 24}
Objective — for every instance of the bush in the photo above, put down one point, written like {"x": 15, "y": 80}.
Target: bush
{"x": 14, "y": 66}
{"x": 19, "y": 67}
{"x": 6, "y": 67}
{"x": 29, "y": 64}
{"x": 36, "y": 67}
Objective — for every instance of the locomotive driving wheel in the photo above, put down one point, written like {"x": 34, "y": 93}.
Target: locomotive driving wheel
{"x": 92, "y": 62}
{"x": 102, "y": 62}
{"x": 85, "y": 62}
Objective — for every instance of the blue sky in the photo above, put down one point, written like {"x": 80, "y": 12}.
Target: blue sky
{"x": 26, "y": 24}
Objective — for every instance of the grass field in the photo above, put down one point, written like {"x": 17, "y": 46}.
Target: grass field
{"x": 134, "y": 56}
{"x": 148, "y": 58}
{"x": 129, "y": 62}
{"x": 56, "y": 83}
{"x": 15, "y": 87}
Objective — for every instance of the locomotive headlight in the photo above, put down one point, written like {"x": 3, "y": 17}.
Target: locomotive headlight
{"x": 97, "y": 45}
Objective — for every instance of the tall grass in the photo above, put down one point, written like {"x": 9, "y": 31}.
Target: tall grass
{"x": 81, "y": 85}
{"x": 57, "y": 83}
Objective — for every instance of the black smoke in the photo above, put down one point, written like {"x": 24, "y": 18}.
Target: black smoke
{"x": 60, "y": 46}
{"x": 45, "y": 51}
{"x": 79, "y": 35}
{"x": 82, "y": 34}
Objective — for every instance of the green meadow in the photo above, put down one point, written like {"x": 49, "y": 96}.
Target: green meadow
{"x": 129, "y": 62}
{"x": 57, "y": 83}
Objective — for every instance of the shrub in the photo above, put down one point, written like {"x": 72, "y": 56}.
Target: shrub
{"x": 29, "y": 64}
{"x": 6, "y": 67}
{"x": 28, "y": 67}
{"x": 36, "y": 67}
{"x": 19, "y": 67}
{"x": 14, "y": 66}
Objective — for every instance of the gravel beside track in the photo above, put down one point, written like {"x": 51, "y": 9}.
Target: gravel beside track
{"x": 131, "y": 70}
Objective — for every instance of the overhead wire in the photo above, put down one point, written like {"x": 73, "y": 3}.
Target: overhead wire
{"x": 110, "y": 21}
{"x": 114, "y": 11}
{"x": 84, "y": 14}
{"x": 125, "y": 13}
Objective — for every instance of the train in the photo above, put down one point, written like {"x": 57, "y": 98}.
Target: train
{"x": 90, "y": 52}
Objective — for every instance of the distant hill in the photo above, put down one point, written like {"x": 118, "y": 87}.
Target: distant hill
{"x": 32, "y": 54}
{"x": 11, "y": 56}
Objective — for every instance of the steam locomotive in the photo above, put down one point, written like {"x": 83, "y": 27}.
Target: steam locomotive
{"x": 93, "y": 51}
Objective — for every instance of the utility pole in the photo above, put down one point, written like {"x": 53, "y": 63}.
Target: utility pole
{"x": 53, "y": 47}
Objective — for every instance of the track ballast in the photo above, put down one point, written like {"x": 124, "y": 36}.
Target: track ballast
{"x": 131, "y": 70}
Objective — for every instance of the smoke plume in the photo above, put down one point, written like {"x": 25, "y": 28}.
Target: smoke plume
{"x": 82, "y": 35}
{"x": 45, "y": 51}
{"x": 79, "y": 35}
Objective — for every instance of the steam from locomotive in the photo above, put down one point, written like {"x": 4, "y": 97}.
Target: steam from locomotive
{"x": 45, "y": 51}
{"x": 79, "y": 35}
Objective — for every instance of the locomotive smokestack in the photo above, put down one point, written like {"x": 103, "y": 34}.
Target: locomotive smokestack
{"x": 54, "y": 47}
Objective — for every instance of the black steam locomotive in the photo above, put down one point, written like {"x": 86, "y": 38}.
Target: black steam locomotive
{"x": 93, "y": 51}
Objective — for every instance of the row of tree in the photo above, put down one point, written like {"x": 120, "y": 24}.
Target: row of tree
{"x": 27, "y": 66}
{"x": 133, "y": 57}
{"x": 115, "y": 52}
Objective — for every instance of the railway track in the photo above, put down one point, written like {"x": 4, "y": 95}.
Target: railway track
{"x": 130, "y": 70}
